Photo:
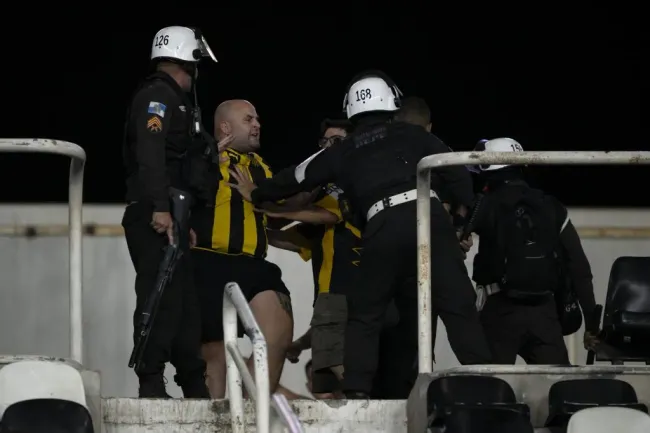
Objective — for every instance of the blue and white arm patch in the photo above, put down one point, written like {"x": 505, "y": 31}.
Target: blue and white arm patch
{"x": 157, "y": 108}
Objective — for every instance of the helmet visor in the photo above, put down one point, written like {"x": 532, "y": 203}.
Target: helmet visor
{"x": 205, "y": 49}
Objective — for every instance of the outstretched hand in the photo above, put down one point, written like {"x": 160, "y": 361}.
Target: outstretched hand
{"x": 294, "y": 351}
{"x": 244, "y": 185}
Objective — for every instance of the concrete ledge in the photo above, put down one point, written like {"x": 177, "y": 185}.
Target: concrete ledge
{"x": 126, "y": 415}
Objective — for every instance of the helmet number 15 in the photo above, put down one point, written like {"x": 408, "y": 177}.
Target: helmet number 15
{"x": 161, "y": 40}
{"x": 363, "y": 94}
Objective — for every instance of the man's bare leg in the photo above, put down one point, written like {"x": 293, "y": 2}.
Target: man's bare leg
{"x": 214, "y": 355}
{"x": 273, "y": 313}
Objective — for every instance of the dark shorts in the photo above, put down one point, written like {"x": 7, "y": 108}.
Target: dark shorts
{"x": 212, "y": 271}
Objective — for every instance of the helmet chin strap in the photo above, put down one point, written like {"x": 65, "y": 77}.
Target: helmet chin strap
{"x": 196, "y": 111}
{"x": 211, "y": 151}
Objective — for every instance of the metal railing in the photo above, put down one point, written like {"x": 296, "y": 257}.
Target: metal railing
{"x": 236, "y": 306}
{"x": 75, "y": 192}
{"x": 475, "y": 158}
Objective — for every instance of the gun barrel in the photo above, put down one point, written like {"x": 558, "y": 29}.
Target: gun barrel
{"x": 467, "y": 230}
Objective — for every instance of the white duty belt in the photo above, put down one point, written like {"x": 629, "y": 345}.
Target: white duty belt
{"x": 393, "y": 201}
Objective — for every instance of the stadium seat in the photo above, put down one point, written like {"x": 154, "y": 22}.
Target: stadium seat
{"x": 567, "y": 397}
{"x": 447, "y": 395}
{"x": 42, "y": 396}
{"x": 486, "y": 419}
{"x": 626, "y": 323}
{"x": 609, "y": 420}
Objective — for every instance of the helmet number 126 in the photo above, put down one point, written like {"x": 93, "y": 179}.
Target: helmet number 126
{"x": 161, "y": 40}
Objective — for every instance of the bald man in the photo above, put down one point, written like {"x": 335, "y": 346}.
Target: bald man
{"x": 231, "y": 246}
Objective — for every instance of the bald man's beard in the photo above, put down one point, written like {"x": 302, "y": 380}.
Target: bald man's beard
{"x": 246, "y": 144}
{"x": 254, "y": 142}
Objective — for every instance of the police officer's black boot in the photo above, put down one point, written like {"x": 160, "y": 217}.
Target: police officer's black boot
{"x": 192, "y": 384}
{"x": 152, "y": 386}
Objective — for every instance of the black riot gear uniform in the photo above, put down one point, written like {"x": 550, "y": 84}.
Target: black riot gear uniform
{"x": 157, "y": 139}
{"x": 157, "y": 150}
{"x": 376, "y": 167}
{"x": 529, "y": 326}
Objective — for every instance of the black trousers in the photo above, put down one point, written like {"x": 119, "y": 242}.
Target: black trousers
{"x": 397, "y": 367}
{"x": 530, "y": 331}
{"x": 176, "y": 333}
{"x": 389, "y": 260}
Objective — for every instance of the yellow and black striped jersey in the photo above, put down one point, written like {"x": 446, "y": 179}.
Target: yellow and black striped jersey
{"x": 333, "y": 247}
{"x": 232, "y": 226}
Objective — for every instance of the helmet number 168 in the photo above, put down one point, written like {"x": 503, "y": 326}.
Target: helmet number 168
{"x": 363, "y": 94}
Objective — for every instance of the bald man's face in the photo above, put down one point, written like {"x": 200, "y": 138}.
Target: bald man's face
{"x": 243, "y": 123}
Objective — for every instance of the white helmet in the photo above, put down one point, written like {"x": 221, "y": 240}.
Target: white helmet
{"x": 371, "y": 92}
{"x": 497, "y": 145}
{"x": 180, "y": 43}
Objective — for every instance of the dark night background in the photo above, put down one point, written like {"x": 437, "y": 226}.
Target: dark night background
{"x": 552, "y": 79}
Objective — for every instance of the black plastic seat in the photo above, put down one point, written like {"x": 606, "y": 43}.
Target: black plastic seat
{"x": 626, "y": 322}
{"x": 486, "y": 419}
{"x": 569, "y": 396}
{"x": 46, "y": 416}
{"x": 446, "y": 394}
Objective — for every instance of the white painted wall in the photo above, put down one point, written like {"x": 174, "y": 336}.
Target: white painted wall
{"x": 34, "y": 290}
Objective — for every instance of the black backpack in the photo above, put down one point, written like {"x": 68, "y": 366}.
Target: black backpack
{"x": 527, "y": 236}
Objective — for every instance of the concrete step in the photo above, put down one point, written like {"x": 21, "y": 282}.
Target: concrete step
{"x": 129, "y": 415}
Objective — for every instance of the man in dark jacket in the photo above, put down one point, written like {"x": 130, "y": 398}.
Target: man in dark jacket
{"x": 526, "y": 239}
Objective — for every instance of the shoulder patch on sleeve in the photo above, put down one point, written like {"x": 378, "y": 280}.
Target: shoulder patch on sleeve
{"x": 154, "y": 124}
{"x": 157, "y": 108}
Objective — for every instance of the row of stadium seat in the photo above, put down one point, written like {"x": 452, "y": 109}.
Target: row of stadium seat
{"x": 482, "y": 404}
{"x": 625, "y": 335}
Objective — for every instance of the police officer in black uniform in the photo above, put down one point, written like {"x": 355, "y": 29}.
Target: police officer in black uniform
{"x": 376, "y": 167}
{"x": 162, "y": 128}
{"x": 528, "y": 251}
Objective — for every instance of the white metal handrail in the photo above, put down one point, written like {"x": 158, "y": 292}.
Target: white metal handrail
{"x": 75, "y": 193}
{"x": 475, "y": 158}
{"x": 235, "y": 305}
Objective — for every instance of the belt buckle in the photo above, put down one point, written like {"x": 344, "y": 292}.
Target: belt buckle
{"x": 386, "y": 202}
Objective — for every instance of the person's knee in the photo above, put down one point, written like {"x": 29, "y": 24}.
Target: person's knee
{"x": 274, "y": 314}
